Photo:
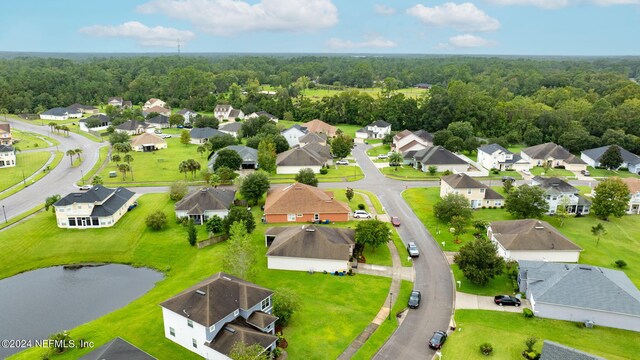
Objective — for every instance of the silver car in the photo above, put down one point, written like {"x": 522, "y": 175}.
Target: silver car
{"x": 413, "y": 249}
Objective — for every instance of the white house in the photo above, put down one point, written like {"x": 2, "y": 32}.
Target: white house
{"x": 5, "y": 134}
{"x": 153, "y": 102}
{"x": 634, "y": 198}
{"x": 630, "y": 160}
{"x": 95, "y": 208}
{"x": 133, "y": 127}
{"x": 232, "y": 129}
{"x": 494, "y": 156}
{"x": 560, "y": 193}
{"x": 407, "y": 141}
{"x": 148, "y": 142}
{"x": 298, "y": 158}
{"x": 204, "y": 203}
{"x": 221, "y": 112}
{"x": 309, "y": 248}
{"x": 262, "y": 113}
{"x": 159, "y": 122}
{"x": 293, "y": 134}
{"x": 55, "y": 114}
{"x": 478, "y": 194}
{"x": 552, "y": 155}
{"x": 580, "y": 293}
{"x": 188, "y": 115}
{"x": 375, "y": 130}
{"x": 7, "y": 156}
{"x": 212, "y": 316}
{"x": 74, "y": 112}
{"x": 103, "y": 122}
{"x": 532, "y": 239}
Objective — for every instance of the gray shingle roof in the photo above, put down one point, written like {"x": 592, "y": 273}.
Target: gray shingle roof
{"x": 6, "y": 148}
{"x": 264, "y": 113}
{"x": 300, "y": 156}
{"x": 313, "y": 138}
{"x": 581, "y": 286}
{"x": 379, "y": 123}
{"x": 132, "y": 125}
{"x": 240, "y": 331}
{"x": 231, "y": 127}
{"x": 530, "y": 234}
{"x": 205, "y": 133}
{"x": 437, "y": 155}
{"x": 160, "y": 119}
{"x": 554, "y": 351}
{"x": 207, "y": 199}
{"x": 492, "y": 148}
{"x": 627, "y": 156}
{"x": 112, "y": 199}
{"x": 311, "y": 241}
{"x": 234, "y": 113}
{"x": 554, "y": 184}
{"x": 463, "y": 181}
{"x": 249, "y": 155}
{"x": 100, "y": 117}
{"x": 117, "y": 349}
{"x": 56, "y": 112}
{"x": 424, "y": 135}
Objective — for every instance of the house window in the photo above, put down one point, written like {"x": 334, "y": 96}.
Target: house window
{"x": 236, "y": 312}
{"x": 554, "y": 198}
{"x": 172, "y": 331}
{"x": 194, "y": 343}
{"x": 468, "y": 191}
{"x": 190, "y": 323}
{"x": 212, "y": 328}
{"x": 498, "y": 203}
{"x": 299, "y": 215}
{"x": 482, "y": 191}
{"x": 266, "y": 303}
{"x": 291, "y": 217}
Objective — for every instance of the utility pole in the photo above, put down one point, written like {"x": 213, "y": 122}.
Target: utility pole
{"x": 5, "y": 215}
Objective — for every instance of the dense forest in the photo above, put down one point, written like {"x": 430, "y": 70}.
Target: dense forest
{"x": 578, "y": 103}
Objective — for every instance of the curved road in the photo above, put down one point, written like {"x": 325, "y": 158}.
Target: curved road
{"x": 61, "y": 179}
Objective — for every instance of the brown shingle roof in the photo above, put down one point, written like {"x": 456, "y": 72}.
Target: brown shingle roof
{"x": 146, "y": 139}
{"x": 5, "y": 127}
{"x": 401, "y": 135}
{"x": 261, "y": 320}
{"x": 299, "y": 156}
{"x": 157, "y": 109}
{"x": 213, "y": 299}
{"x": 463, "y": 181}
{"x": 311, "y": 241}
{"x": 319, "y": 126}
{"x": 530, "y": 234}
{"x": 633, "y": 184}
{"x": 551, "y": 150}
{"x": 303, "y": 199}
{"x": 312, "y": 137}
{"x": 207, "y": 199}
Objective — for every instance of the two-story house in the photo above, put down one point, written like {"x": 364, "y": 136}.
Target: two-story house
{"x": 221, "y": 112}
{"x": 7, "y": 156}
{"x": 119, "y": 102}
{"x": 634, "y": 195}
{"x": 212, "y": 316}
{"x": 558, "y": 192}
{"x": 5, "y": 134}
{"x": 95, "y": 208}
{"x": 408, "y": 141}
{"x": 376, "y": 130}
{"x": 478, "y": 194}
{"x": 153, "y": 102}
{"x": 293, "y": 134}
{"x": 188, "y": 115}
{"x": 494, "y": 156}
{"x": 552, "y": 155}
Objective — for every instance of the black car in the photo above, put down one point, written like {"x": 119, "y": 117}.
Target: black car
{"x": 414, "y": 299}
{"x": 506, "y": 300}
{"x": 508, "y": 178}
{"x": 437, "y": 340}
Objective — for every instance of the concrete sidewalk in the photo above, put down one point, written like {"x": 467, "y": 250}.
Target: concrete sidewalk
{"x": 405, "y": 273}
{"x": 477, "y": 302}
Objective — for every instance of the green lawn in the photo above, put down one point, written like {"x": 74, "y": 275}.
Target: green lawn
{"x": 498, "y": 285}
{"x": 322, "y": 328}
{"x": 539, "y": 170}
{"x": 514, "y": 174}
{"x": 335, "y": 174}
{"x": 406, "y": 172}
{"x": 608, "y": 173}
{"x": 25, "y": 140}
{"x": 507, "y": 333}
{"x": 402, "y": 249}
{"x": 378, "y": 150}
{"x": 349, "y": 129}
{"x": 26, "y": 165}
{"x": 56, "y": 160}
{"x": 317, "y": 94}
{"x": 374, "y": 200}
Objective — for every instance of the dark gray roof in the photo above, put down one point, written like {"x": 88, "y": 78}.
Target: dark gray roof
{"x": 298, "y": 127}
{"x": 300, "y": 156}
{"x": 213, "y": 299}
{"x": 260, "y": 319}
{"x": 313, "y": 138}
{"x": 530, "y": 234}
{"x": 581, "y": 286}
{"x": 6, "y": 148}
{"x": 108, "y": 201}
{"x": 117, "y": 349}
{"x": 492, "y": 148}
{"x": 554, "y": 351}
{"x": 627, "y": 156}
{"x": 409, "y": 154}
{"x": 234, "y": 113}
{"x": 264, "y": 113}
{"x": 100, "y": 117}
{"x": 185, "y": 111}
{"x": 231, "y": 127}
{"x": 379, "y": 123}
{"x": 132, "y": 125}
{"x": 310, "y": 241}
{"x": 424, "y": 135}
{"x": 463, "y": 181}
{"x": 249, "y": 155}
{"x": 554, "y": 184}
{"x": 323, "y": 150}
{"x": 207, "y": 199}
{"x": 240, "y": 331}
{"x": 160, "y": 119}
{"x": 491, "y": 194}
{"x": 205, "y": 133}
{"x": 551, "y": 150}
{"x": 437, "y": 155}
{"x": 56, "y": 112}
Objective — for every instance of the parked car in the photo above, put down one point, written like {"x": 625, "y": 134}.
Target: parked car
{"x": 413, "y": 249}
{"x": 85, "y": 187}
{"x": 437, "y": 340}
{"x": 132, "y": 206}
{"x": 395, "y": 164}
{"x": 361, "y": 214}
{"x": 526, "y": 172}
{"x": 395, "y": 221}
{"x": 508, "y": 178}
{"x": 157, "y": 131}
{"x": 414, "y": 299}
{"x": 165, "y": 136}
{"x": 506, "y": 300}
{"x": 180, "y": 126}
{"x": 342, "y": 162}
{"x": 383, "y": 156}
{"x": 585, "y": 173}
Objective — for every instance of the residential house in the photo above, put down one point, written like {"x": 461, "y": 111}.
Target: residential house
{"x": 320, "y": 127}
{"x": 424, "y": 86}
{"x": 494, "y": 156}
{"x": 221, "y": 112}
{"x": 532, "y": 239}
{"x": 98, "y": 207}
{"x": 117, "y": 349}
{"x": 554, "y": 351}
{"x": 7, "y": 156}
{"x": 559, "y": 192}
{"x": 153, "y": 102}
{"x": 634, "y": 198}
{"x": 249, "y": 156}
{"x": 159, "y": 122}
{"x": 235, "y": 115}
{"x": 232, "y": 129}
{"x": 303, "y": 203}
{"x": 132, "y": 127}
{"x": 188, "y": 115}
{"x": 119, "y": 102}
{"x": 630, "y": 160}
{"x": 263, "y": 113}
{"x": 202, "y": 135}
{"x": 148, "y": 142}
{"x": 311, "y": 137}
{"x": 298, "y": 158}
{"x": 376, "y": 130}
{"x": 437, "y": 156}
{"x": 581, "y": 293}
{"x": 407, "y": 141}
{"x": 212, "y": 316}
{"x": 5, "y": 134}
{"x": 55, "y": 114}
{"x": 309, "y": 248}
{"x": 74, "y": 113}
{"x": 204, "y": 203}
{"x": 82, "y": 109}
{"x": 552, "y": 155}
{"x": 478, "y": 194}
{"x": 293, "y": 134}
{"x": 103, "y": 122}
{"x": 157, "y": 110}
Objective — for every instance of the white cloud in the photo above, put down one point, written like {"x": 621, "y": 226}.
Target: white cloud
{"x": 557, "y": 4}
{"x": 145, "y": 36}
{"x": 370, "y": 41}
{"x": 462, "y": 17}
{"x": 469, "y": 41}
{"x": 226, "y": 17}
{"x": 384, "y": 9}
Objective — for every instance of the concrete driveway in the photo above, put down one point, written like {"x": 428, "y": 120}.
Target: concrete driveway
{"x": 477, "y": 302}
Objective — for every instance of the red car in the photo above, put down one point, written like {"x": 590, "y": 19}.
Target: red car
{"x": 395, "y": 221}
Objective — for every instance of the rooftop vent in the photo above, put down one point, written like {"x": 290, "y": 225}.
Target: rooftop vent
{"x": 200, "y": 292}
{"x": 186, "y": 313}
{"x": 584, "y": 268}
{"x": 226, "y": 278}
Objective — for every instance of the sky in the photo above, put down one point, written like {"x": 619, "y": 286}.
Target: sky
{"x": 488, "y": 27}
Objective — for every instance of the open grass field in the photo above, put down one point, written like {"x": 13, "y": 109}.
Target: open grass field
{"x": 507, "y": 332}
{"x": 377, "y": 150}
{"x": 25, "y": 140}
{"x": 39, "y": 175}
{"x": 26, "y": 165}
{"x": 608, "y": 173}
{"x": 318, "y": 94}
{"x": 337, "y": 173}
{"x": 327, "y": 321}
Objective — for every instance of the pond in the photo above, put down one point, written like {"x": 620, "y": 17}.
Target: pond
{"x": 37, "y": 303}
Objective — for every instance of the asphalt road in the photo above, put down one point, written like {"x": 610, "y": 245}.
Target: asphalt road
{"x": 61, "y": 179}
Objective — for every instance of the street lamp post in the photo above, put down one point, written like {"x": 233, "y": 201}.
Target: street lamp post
{"x": 390, "y": 296}
{"x": 5, "y": 214}
{"x": 82, "y": 176}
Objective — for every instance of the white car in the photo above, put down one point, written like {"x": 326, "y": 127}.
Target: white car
{"x": 361, "y": 214}
{"x": 342, "y": 162}
{"x": 526, "y": 172}
{"x": 383, "y": 156}
{"x": 165, "y": 136}
{"x": 85, "y": 187}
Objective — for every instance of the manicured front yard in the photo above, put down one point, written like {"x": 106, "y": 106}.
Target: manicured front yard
{"x": 498, "y": 285}
{"x": 608, "y": 173}
{"x": 337, "y": 173}
{"x": 407, "y": 172}
{"x": 378, "y": 150}
{"x": 507, "y": 332}
{"x": 26, "y": 165}
{"x": 552, "y": 172}
{"x": 328, "y": 319}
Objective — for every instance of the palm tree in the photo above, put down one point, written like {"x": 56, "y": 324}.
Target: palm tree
{"x": 123, "y": 169}
{"x": 116, "y": 159}
{"x": 65, "y": 128}
{"x": 78, "y": 152}
{"x": 598, "y": 230}
{"x": 70, "y": 153}
{"x": 395, "y": 159}
{"x": 122, "y": 147}
{"x": 128, "y": 159}
{"x": 52, "y": 125}
{"x": 184, "y": 168}
{"x": 97, "y": 180}
{"x": 201, "y": 150}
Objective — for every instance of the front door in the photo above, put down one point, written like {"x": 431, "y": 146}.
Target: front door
{"x": 316, "y": 217}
